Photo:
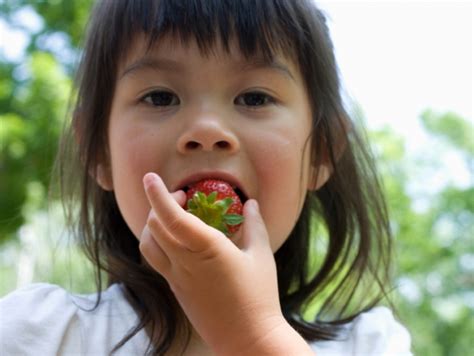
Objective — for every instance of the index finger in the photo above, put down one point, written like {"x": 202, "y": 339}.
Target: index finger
{"x": 188, "y": 229}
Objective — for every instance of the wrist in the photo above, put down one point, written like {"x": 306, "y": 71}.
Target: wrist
{"x": 273, "y": 337}
{"x": 282, "y": 340}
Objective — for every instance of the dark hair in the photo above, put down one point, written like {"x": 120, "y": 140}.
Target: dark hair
{"x": 335, "y": 263}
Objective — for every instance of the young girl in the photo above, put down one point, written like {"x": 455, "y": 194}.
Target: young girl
{"x": 175, "y": 92}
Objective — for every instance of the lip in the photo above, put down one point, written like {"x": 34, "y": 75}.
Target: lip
{"x": 221, "y": 175}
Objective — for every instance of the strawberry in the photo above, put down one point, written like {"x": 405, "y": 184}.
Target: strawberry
{"x": 216, "y": 203}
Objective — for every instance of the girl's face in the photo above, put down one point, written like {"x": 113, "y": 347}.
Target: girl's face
{"x": 187, "y": 116}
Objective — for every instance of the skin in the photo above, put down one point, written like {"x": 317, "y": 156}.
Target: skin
{"x": 210, "y": 128}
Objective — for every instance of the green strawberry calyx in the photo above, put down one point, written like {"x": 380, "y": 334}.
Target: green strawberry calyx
{"x": 214, "y": 212}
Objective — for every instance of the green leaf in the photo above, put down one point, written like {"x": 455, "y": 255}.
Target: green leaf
{"x": 233, "y": 219}
{"x": 211, "y": 198}
{"x": 200, "y": 197}
{"x": 191, "y": 204}
{"x": 224, "y": 204}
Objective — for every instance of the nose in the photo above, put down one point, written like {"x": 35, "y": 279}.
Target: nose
{"x": 207, "y": 134}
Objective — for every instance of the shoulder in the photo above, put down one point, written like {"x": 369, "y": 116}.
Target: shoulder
{"x": 36, "y": 301}
{"x": 378, "y": 330}
{"x": 374, "y": 332}
{"x": 48, "y": 320}
{"x": 30, "y": 315}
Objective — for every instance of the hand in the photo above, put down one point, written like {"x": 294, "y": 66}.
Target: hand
{"x": 229, "y": 294}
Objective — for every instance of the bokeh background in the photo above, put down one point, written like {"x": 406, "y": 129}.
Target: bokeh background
{"x": 424, "y": 147}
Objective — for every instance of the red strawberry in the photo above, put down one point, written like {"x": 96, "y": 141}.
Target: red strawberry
{"x": 216, "y": 203}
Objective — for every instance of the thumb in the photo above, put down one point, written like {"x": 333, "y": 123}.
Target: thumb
{"x": 254, "y": 231}
{"x": 180, "y": 197}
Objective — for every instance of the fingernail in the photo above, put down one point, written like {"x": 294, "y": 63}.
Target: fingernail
{"x": 253, "y": 205}
{"x": 149, "y": 179}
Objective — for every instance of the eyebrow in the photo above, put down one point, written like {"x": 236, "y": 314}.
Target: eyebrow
{"x": 274, "y": 64}
{"x": 153, "y": 63}
{"x": 175, "y": 66}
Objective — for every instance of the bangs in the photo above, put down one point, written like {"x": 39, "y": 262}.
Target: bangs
{"x": 259, "y": 28}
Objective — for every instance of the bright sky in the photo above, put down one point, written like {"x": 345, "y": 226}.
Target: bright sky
{"x": 398, "y": 58}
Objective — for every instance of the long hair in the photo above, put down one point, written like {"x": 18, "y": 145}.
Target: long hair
{"x": 334, "y": 264}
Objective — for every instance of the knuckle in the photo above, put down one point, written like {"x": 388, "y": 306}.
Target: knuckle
{"x": 175, "y": 223}
{"x": 146, "y": 242}
{"x": 153, "y": 223}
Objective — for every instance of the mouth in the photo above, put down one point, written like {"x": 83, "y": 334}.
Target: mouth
{"x": 236, "y": 186}
{"x": 243, "y": 198}
{"x": 240, "y": 193}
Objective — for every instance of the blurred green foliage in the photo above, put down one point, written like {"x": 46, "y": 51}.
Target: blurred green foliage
{"x": 29, "y": 131}
{"x": 435, "y": 250}
{"x": 433, "y": 230}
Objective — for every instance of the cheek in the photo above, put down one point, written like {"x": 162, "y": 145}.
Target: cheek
{"x": 281, "y": 184}
{"x": 131, "y": 158}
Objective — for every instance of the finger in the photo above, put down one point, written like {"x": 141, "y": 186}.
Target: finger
{"x": 153, "y": 253}
{"x": 254, "y": 231}
{"x": 167, "y": 242}
{"x": 186, "y": 228}
{"x": 180, "y": 197}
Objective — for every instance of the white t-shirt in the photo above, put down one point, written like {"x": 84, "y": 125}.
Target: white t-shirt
{"x": 44, "y": 319}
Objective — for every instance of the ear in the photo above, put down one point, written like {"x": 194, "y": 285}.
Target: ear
{"x": 319, "y": 176}
{"x": 102, "y": 173}
{"x": 103, "y": 177}
{"x": 321, "y": 171}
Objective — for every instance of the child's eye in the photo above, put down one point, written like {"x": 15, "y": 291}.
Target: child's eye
{"x": 254, "y": 99}
{"x": 161, "y": 98}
